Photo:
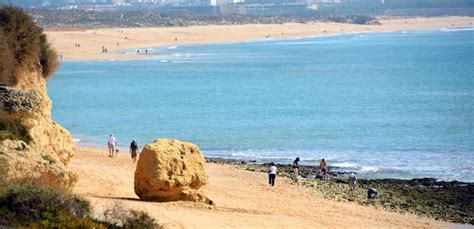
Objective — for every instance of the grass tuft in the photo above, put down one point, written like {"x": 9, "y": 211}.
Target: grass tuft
{"x": 14, "y": 129}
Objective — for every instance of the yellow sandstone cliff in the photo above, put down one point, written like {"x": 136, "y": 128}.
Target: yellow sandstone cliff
{"x": 32, "y": 146}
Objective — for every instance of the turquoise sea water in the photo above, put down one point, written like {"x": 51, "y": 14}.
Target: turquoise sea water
{"x": 384, "y": 104}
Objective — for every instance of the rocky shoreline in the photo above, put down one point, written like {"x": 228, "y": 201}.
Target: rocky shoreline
{"x": 451, "y": 201}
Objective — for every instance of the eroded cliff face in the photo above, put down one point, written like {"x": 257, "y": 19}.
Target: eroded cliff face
{"x": 44, "y": 156}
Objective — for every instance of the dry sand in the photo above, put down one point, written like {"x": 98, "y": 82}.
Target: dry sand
{"x": 91, "y": 41}
{"x": 242, "y": 199}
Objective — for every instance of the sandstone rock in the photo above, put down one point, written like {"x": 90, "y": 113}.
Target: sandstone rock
{"x": 32, "y": 146}
{"x": 19, "y": 162}
{"x": 28, "y": 102}
{"x": 171, "y": 170}
{"x": 19, "y": 101}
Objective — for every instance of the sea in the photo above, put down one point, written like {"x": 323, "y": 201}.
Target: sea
{"x": 382, "y": 104}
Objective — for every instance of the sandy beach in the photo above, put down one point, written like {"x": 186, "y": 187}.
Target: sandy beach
{"x": 116, "y": 39}
{"x": 243, "y": 199}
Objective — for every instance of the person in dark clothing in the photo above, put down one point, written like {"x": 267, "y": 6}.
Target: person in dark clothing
{"x": 296, "y": 167}
{"x": 134, "y": 150}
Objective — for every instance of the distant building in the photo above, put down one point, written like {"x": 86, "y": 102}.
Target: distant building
{"x": 221, "y": 2}
{"x": 365, "y": 1}
{"x": 344, "y": 1}
{"x": 312, "y": 6}
{"x": 325, "y": 1}
{"x": 270, "y": 9}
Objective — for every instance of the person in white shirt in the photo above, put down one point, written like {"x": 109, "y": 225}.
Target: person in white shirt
{"x": 272, "y": 171}
{"x": 111, "y": 143}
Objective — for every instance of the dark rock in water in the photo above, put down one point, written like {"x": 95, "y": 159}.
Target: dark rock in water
{"x": 305, "y": 171}
{"x": 424, "y": 181}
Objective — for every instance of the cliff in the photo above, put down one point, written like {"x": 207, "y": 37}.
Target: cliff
{"x": 32, "y": 146}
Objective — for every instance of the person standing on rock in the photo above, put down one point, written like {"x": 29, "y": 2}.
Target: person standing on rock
{"x": 352, "y": 181}
{"x": 272, "y": 171}
{"x": 134, "y": 150}
{"x": 111, "y": 144}
{"x": 296, "y": 167}
{"x": 323, "y": 166}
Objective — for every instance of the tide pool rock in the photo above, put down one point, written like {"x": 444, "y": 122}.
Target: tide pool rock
{"x": 171, "y": 170}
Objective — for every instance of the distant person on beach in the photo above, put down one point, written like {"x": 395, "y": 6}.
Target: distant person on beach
{"x": 272, "y": 171}
{"x": 134, "y": 150}
{"x": 296, "y": 167}
{"x": 323, "y": 166}
{"x": 352, "y": 181}
{"x": 111, "y": 143}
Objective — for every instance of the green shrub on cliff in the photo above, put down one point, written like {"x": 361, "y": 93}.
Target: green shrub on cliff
{"x": 32, "y": 206}
{"x": 14, "y": 130}
{"x": 23, "y": 45}
{"x": 27, "y": 205}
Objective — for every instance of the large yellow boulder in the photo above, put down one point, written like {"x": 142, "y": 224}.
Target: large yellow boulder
{"x": 171, "y": 170}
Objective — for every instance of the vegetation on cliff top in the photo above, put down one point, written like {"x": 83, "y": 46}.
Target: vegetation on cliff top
{"x": 23, "y": 46}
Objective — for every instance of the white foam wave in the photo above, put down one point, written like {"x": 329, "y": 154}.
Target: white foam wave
{"x": 370, "y": 169}
{"x": 457, "y": 29}
{"x": 346, "y": 165}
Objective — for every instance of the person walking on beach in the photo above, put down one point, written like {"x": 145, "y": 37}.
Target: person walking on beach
{"x": 323, "y": 166}
{"x": 352, "y": 181}
{"x": 111, "y": 143}
{"x": 134, "y": 150}
{"x": 296, "y": 167}
{"x": 272, "y": 171}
